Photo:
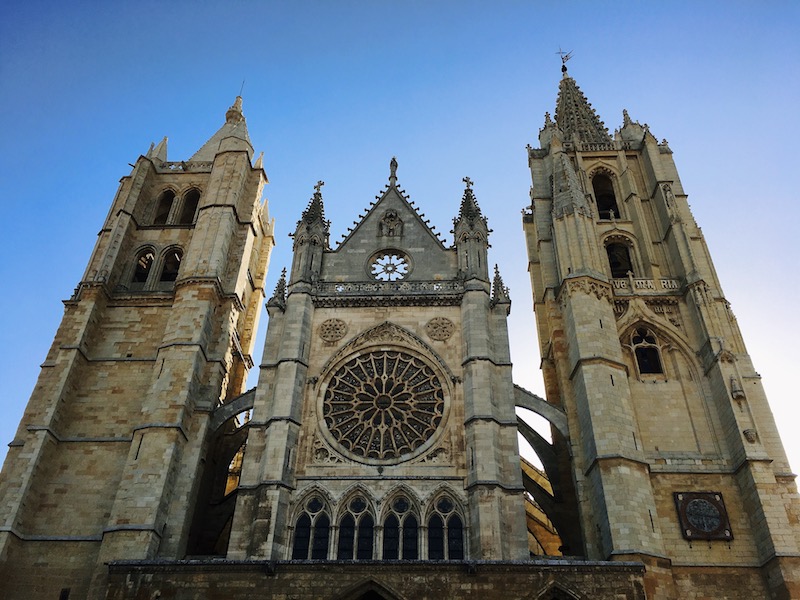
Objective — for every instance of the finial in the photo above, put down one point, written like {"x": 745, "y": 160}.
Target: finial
{"x": 234, "y": 114}
{"x": 393, "y": 171}
{"x": 565, "y": 56}
{"x": 318, "y": 186}
{"x": 468, "y": 181}
{"x": 626, "y": 118}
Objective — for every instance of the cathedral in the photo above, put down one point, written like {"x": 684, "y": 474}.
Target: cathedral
{"x": 378, "y": 456}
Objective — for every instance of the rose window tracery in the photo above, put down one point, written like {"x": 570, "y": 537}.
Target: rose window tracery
{"x": 383, "y": 405}
{"x": 389, "y": 266}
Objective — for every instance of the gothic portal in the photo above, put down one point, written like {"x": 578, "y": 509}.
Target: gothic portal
{"x": 377, "y": 457}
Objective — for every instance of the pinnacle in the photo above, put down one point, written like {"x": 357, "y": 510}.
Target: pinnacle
{"x": 315, "y": 211}
{"x": 499, "y": 290}
{"x": 575, "y": 116}
{"x": 279, "y": 295}
{"x": 469, "y": 205}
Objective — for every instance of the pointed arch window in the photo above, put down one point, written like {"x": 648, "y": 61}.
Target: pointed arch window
{"x": 163, "y": 207}
{"x": 445, "y": 532}
{"x": 356, "y": 531}
{"x": 171, "y": 265}
{"x": 604, "y": 195}
{"x": 190, "y": 201}
{"x": 647, "y": 352}
{"x": 312, "y": 531}
{"x": 142, "y": 268}
{"x": 401, "y": 531}
{"x": 619, "y": 259}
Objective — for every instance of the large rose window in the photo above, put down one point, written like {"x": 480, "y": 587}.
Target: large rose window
{"x": 383, "y": 405}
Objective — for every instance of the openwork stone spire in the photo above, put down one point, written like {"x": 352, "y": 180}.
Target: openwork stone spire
{"x": 575, "y": 116}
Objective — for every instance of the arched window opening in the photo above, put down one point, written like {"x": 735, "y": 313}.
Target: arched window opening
{"x": 619, "y": 259}
{"x": 401, "y": 532}
{"x": 604, "y": 195}
{"x": 163, "y": 207}
{"x": 445, "y": 532}
{"x": 356, "y": 532}
{"x": 190, "y": 201}
{"x": 311, "y": 532}
{"x": 647, "y": 352}
{"x": 172, "y": 264}
{"x": 141, "y": 271}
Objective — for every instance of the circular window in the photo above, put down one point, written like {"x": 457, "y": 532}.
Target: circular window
{"x": 383, "y": 405}
{"x": 389, "y": 265}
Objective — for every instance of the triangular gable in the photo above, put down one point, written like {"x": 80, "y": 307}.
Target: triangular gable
{"x": 393, "y": 198}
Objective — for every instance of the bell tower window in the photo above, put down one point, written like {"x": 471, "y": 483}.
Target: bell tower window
{"x": 163, "y": 207}
{"x": 172, "y": 263}
{"x": 647, "y": 352}
{"x": 604, "y": 196}
{"x": 142, "y": 268}
{"x": 190, "y": 202}
{"x": 619, "y": 259}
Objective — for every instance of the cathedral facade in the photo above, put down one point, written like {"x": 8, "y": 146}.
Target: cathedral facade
{"x": 377, "y": 457}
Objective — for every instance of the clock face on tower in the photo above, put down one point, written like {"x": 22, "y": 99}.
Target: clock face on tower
{"x": 389, "y": 265}
{"x": 383, "y": 406}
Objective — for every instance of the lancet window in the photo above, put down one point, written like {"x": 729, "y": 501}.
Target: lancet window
{"x": 401, "y": 531}
{"x": 171, "y": 265}
{"x": 619, "y": 260}
{"x": 356, "y": 531}
{"x": 604, "y": 195}
{"x": 163, "y": 207}
{"x": 312, "y": 531}
{"x": 142, "y": 268}
{"x": 190, "y": 201}
{"x": 445, "y": 531}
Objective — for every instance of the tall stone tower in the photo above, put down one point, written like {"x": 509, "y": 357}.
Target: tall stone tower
{"x": 108, "y": 458}
{"x": 383, "y": 423}
{"x": 671, "y": 456}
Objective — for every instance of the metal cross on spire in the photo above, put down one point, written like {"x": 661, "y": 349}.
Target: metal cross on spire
{"x": 319, "y": 185}
{"x": 565, "y": 56}
{"x": 468, "y": 181}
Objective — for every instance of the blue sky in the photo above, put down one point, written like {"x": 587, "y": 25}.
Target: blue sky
{"x": 333, "y": 90}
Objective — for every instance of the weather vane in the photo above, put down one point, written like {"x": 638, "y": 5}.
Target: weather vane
{"x": 565, "y": 56}
{"x": 319, "y": 185}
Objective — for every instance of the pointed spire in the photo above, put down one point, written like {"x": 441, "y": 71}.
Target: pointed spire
{"x": 469, "y": 205}
{"x": 231, "y": 136}
{"x": 315, "y": 211}
{"x": 499, "y": 290}
{"x": 575, "y": 116}
{"x": 279, "y": 295}
{"x": 158, "y": 152}
{"x": 393, "y": 172}
{"x": 259, "y": 162}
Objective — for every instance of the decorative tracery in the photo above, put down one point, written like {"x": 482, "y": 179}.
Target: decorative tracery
{"x": 383, "y": 404}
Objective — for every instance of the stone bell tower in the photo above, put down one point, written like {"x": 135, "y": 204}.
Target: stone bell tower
{"x": 159, "y": 331}
{"x": 383, "y": 423}
{"x": 672, "y": 455}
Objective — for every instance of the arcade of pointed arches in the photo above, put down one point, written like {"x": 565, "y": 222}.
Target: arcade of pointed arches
{"x": 354, "y": 528}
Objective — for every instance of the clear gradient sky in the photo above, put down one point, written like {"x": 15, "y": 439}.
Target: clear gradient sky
{"x": 333, "y": 90}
